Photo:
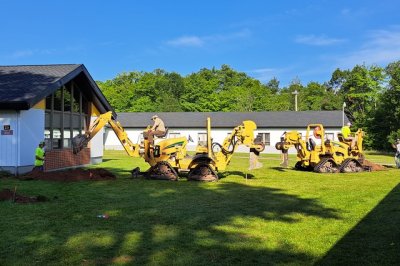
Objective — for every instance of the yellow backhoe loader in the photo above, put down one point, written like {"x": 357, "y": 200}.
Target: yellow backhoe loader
{"x": 168, "y": 157}
{"x": 327, "y": 156}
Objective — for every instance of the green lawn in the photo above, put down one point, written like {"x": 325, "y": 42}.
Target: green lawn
{"x": 275, "y": 216}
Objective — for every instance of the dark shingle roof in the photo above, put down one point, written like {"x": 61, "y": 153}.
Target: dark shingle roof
{"x": 285, "y": 119}
{"x": 21, "y": 87}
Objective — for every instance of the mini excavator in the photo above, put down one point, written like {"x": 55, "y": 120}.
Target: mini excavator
{"x": 168, "y": 157}
{"x": 328, "y": 156}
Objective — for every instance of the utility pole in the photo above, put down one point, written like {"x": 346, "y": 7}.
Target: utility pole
{"x": 295, "y": 93}
{"x": 344, "y": 105}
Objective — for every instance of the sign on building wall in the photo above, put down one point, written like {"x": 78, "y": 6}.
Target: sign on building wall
{"x": 7, "y": 130}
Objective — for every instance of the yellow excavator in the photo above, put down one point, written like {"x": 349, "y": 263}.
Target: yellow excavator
{"x": 168, "y": 157}
{"x": 327, "y": 156}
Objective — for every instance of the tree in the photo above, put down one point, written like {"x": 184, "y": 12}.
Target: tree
{"x": 385, "y": 125}
{"x": 360, "y": 89}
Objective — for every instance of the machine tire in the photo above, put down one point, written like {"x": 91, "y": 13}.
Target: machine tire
{"x": 162, "y": 171}
{"x": 351, "y": 165}
{"x": 326, "y": 165}
{"x": 202, "y": 172}
{"x": 260, "y": 147}
{"x": 279, "y": 146}
{"x": 298, "y": 166}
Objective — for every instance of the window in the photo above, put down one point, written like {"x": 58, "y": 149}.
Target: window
{"x": 329, "y": 136}
{"x": 264, "y": 138}
{"x": 66, "y": 116}
{"x": 202, "y": 139}
{"x": 174, "y": 135}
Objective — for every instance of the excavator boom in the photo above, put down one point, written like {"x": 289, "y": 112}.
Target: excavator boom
{"x": 80, "y": 141}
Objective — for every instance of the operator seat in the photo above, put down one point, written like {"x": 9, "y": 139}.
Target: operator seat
{"x": 312, "y": 144}
{"x": 346, "y": 141}
{"x": 342, "y": 139}
{"x": 160, "y": 137}
{"x": 164, "y": 135}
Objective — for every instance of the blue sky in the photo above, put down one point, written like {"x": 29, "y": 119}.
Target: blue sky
{"x": 307, "y": 40}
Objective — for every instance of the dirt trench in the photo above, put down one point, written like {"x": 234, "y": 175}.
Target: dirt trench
{"x": 11, "y": 195}
{"x": 71, "y": 175}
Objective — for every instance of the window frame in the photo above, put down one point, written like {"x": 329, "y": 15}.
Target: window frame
{"x": 263, "y": 138}
{"x": 67, "y": 119}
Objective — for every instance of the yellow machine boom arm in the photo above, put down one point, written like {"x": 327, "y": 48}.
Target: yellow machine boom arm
{"x": 80, "y": 141}
{"x": 242, "y": 134}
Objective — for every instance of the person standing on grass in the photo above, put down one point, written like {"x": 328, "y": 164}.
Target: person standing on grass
{"x": 397, "y": 154}
{"x": 39, "y": 157}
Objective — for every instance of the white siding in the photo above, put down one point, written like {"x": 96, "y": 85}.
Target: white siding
{"x": 96, "y": 144}
{"x": 31, "y": 124}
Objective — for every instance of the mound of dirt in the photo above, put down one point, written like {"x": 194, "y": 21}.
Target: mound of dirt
{"x": 374, "y": 166}
{"x": 77, "y": 174}
{"x": 7, "y": 194}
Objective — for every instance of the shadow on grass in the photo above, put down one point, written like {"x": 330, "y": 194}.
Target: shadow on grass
{"x": 281, "y": 169}
{"x": 107, "y": 160}
{"x": 196, "y": 225}
{"x": 375, "y": 240}
{"x": 166, "y": 223}
{"x": 243, "y": 174}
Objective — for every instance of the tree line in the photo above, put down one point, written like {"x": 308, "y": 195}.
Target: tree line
{"x": 371, "y": 94}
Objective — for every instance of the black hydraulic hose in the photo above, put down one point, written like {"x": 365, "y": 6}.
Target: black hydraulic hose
{"x": 225, "y": 151}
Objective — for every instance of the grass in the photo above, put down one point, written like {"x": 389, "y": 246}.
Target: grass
{"x": 278, "y": 216}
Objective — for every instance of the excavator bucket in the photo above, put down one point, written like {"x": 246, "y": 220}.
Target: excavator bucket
{"x": 78, "y": 143}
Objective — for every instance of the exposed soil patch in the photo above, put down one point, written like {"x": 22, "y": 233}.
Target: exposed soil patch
{"x": 374, "y": 166}
{"x": 71, "y": 175}
{"x": 7, "y": 194}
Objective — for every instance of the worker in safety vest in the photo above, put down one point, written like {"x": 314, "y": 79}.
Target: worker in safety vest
{"x": 346, "y": 132}
{"x": 39, "y": 157}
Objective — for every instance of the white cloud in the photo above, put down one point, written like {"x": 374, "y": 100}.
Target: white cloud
{"x": 317, "y": 40}
{"x": 22, "y": 53}
{"x": 31, "y": 52}
{"x": 200, "y": 41}
{"x": 381, "y": 47}
{"x": 191, "y": 41}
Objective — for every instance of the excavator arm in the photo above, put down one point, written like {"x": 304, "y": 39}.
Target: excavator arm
{"x": 292, "y": 139}
{"x": 242, "y": 134}
{"x": 81, "y": 140}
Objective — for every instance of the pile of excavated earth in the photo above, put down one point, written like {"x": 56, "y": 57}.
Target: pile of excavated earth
{"x": 374, "y": 166}
{"x": 12, "y": 195}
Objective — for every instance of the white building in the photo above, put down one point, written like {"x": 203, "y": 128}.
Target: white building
{"x": 51, "y": 103}
{"x": 270, "y": 125}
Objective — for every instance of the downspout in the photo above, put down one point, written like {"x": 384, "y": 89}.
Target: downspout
{"x": 18, "y": 143}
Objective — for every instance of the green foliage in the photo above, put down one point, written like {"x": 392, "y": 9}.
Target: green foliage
{"x": 360, "y": 88}
{"x": 371, "y": 94}
{"x": 385, "y": 124}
